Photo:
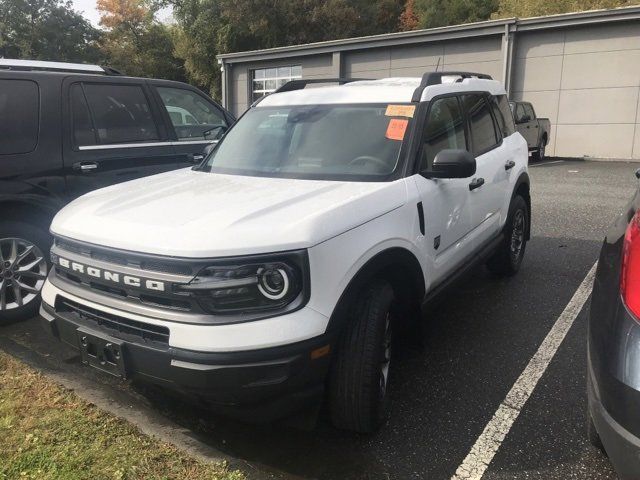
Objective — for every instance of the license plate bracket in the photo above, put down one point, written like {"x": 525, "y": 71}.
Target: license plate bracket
{"x": 102, "y": 352}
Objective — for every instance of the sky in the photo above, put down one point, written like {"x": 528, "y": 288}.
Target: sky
{"x": 88, "y": 9}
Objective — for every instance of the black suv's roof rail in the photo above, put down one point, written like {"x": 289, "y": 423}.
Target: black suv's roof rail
{"x": 302, "y": 83}
{"x": 435, "y": 78}
{"x": 38, "y": 65}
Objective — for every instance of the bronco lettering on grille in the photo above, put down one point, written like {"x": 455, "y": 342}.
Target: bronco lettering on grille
{"x": 109, "y": 276}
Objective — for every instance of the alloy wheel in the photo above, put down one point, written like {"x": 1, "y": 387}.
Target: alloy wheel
{"x": 23, "y": 270}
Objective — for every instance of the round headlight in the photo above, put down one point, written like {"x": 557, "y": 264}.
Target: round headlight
{"x": 273, "y": 283}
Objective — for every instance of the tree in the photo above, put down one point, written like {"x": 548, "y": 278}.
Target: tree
{"x": 136, "y": 42}
{"x": 440, "y": 13}
{"x": 535, "y": 8}
{"x": 409, "y": 18}
{"x": 210, "y": 27}
{"x": 46, "y": 30}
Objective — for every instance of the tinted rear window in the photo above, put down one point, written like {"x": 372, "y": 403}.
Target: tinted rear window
{"x": 483, "y": 131}
{"x": 121, "y": 113}
{"x": 19, "y": 116}
{"x": 503, "y": 114}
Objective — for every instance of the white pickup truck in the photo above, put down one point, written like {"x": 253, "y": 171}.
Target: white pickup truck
{"x": 274, "y": 274}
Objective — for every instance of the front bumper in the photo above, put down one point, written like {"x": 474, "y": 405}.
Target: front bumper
{"x": 262, "y": 384}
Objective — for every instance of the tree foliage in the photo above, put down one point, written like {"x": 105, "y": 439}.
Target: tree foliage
{"x": 135, "y": 42}
{"x": 536, "y": 8}
{"x": 440, "y": 13}
{"x": 46, "y": 30}
{"x": 210, "y": 27}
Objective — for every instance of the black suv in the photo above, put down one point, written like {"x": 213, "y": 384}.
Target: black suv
{"x": 67, "y": 129}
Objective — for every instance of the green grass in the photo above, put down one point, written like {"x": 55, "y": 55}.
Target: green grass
{"x": 48, "y": 432}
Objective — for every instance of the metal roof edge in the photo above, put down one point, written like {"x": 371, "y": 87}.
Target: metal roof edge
{"x": 487, "y": 27}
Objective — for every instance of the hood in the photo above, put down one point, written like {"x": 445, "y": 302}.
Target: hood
{"x": 187, "y": 213}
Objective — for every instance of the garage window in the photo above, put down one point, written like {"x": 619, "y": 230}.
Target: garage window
{"x": 19, "y": 116}
{"x": 267, "y": 80}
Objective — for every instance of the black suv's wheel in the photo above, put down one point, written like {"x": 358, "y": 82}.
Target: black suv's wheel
{"x": 359, "y": 377}
{"x": 23, "y": 270}
{"x": 508, "y": 258}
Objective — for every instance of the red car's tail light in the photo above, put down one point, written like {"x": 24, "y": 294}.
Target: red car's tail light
{"x": 630, "y": 276}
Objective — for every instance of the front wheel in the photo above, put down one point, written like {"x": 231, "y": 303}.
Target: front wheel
{"x": 508, "y": 257}
{"x": 359, "y": 377}
{"x": 23, "y": 270}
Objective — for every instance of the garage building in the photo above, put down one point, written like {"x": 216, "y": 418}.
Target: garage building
{"x": 581, "y": 70}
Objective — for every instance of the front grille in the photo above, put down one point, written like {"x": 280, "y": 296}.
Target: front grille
{"x": 145, "y": 267}
{"x": 176, "y": 267}
{"x": 118, "y": 326}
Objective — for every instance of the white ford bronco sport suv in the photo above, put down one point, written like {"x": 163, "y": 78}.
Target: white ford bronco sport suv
{"x": 275, "y": 273}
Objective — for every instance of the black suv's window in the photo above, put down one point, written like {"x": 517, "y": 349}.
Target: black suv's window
{"x": 192, "y": 116}
{"x": 19, "y": 116}
{"x": 444, "y": 129}
{"x": 120, "y": 113}
{"x": 83, "y": 131}
{"x": 483, "y": 131}
{"x": 503, "y": 115}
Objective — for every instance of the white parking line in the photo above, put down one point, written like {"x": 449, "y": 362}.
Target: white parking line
{"x": 545, "y": 163}
{"x": 489, "y": 441}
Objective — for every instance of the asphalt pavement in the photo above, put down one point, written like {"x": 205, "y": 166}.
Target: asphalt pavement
{"x": 448, "y": 383}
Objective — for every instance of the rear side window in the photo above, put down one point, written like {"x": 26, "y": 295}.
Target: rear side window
{"x": 83, "y": 131}
{"x": 483, "y": 131}
{"x": 444, "y": 129}
{"x": 503, "y": 115}
{"x": 120, "y": 114}
{"x": 19, "y": 116}
{"x": 519, "y": 115}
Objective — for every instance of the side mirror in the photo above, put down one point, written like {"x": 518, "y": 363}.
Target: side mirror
{"x": 524, "y": 119}
{"x": 452, "y": 164}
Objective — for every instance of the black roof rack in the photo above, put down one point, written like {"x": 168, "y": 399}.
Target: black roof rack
{"x": 435, "y": 78}
{"x": 302, "y": 83}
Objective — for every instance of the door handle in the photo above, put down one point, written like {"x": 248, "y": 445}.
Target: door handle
{"x": 85, "y": 167}
{"x": 476, "y": 183}
{"x": 509, "y": 165}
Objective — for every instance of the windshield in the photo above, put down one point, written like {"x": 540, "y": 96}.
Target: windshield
{"x": 313, "y": 141}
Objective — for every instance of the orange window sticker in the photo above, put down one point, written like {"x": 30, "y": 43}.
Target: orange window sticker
{"x": 400, "y": 111}
{"x": 396, "y": 129}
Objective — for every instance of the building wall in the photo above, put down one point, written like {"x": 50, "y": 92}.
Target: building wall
{"x": 587, "y": 81}
{"x": 483, "y": 55}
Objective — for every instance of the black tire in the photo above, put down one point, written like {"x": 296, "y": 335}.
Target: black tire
{"x": 508, "y": 257}
{"x": 28, "y": 282}
{"x": 358, "y": 399}
{"x": 593, "y": 435}
{"x": 539, "y": 153}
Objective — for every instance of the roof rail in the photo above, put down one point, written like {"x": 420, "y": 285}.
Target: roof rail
{"x": 435, "y": 78}
{"x": 30, "y": 65}
{"x": 302, "y": 83}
